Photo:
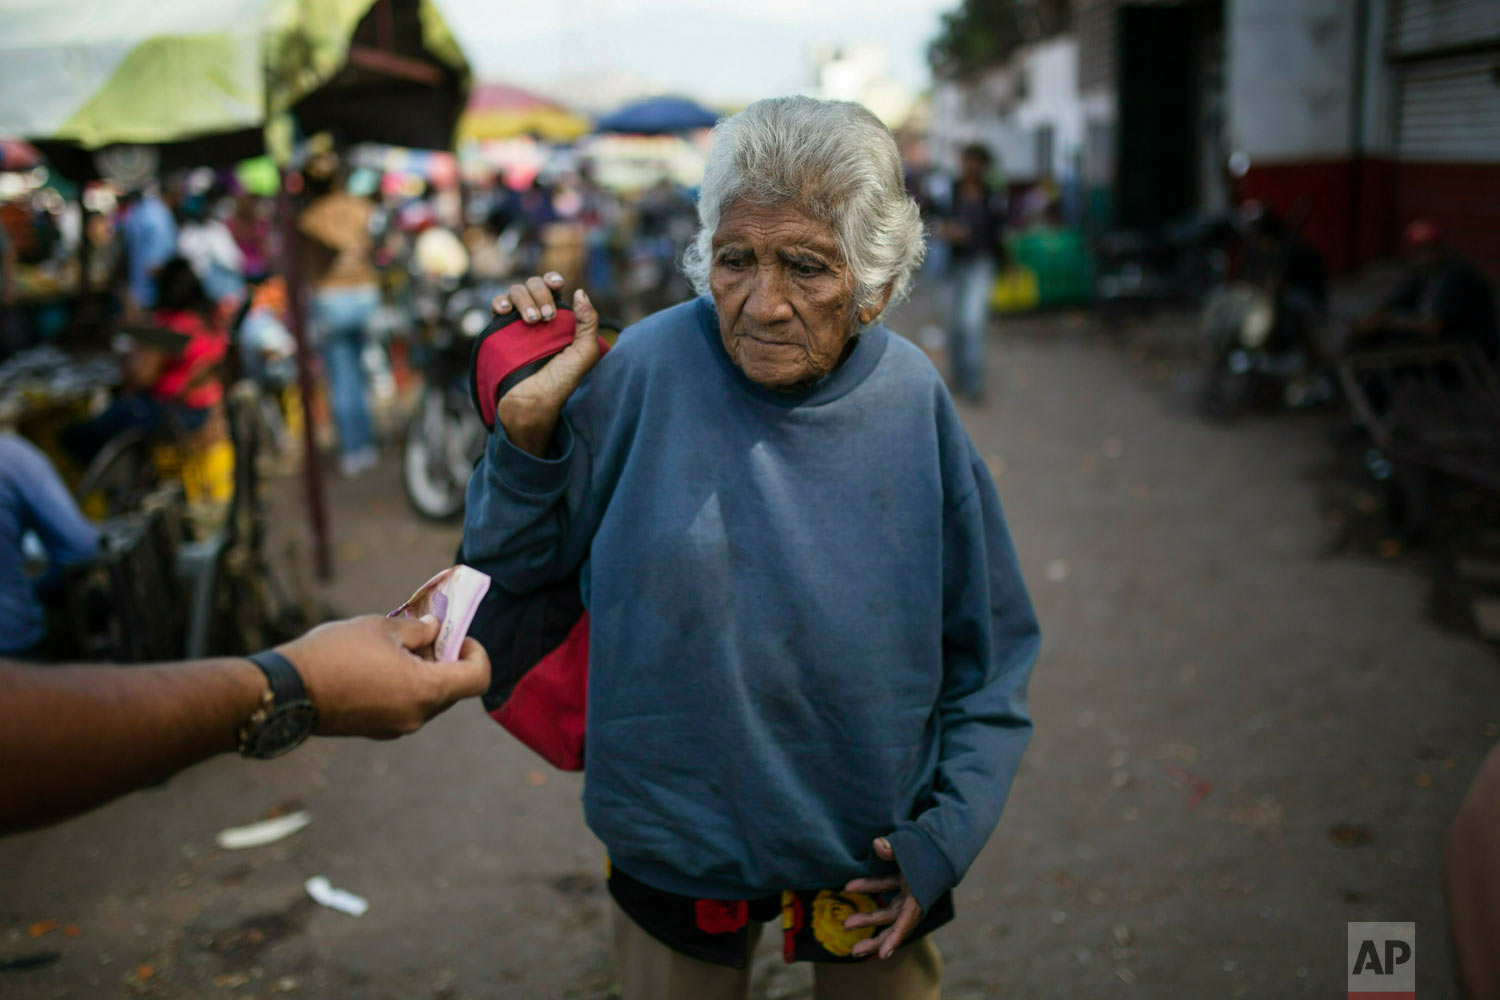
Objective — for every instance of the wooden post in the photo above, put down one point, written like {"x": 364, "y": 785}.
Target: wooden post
{"x": 85, "y": 257}
{"x": 296, "y": 307}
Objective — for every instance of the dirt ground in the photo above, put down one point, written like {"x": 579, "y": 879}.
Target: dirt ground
{"x": 1249, "y": 733}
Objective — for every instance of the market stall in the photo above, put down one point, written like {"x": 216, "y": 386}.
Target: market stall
{"x": 142, "y": 86}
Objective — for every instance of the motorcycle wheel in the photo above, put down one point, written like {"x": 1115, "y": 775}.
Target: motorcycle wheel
{"x": 436, "y": 459}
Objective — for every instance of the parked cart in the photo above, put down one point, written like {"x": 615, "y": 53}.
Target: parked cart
{"x": 1431, "y": 412}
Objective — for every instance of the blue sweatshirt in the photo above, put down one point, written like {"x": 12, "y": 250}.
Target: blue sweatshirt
{"x": 33, "y": 498}
{"x": 808, "y": 627}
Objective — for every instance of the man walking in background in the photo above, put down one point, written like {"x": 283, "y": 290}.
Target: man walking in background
{"x": 972, "y": 224}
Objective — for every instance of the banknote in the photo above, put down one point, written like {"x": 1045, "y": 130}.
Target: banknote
{"x": 451, "y": 597}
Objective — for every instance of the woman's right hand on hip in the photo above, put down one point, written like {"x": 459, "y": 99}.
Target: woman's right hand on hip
{"x": 529, "y": 412}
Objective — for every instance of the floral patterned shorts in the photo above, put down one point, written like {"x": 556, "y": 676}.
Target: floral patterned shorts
{"x": 717, "y": 930}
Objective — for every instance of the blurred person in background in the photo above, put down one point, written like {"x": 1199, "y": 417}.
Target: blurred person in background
{"x": 1444, "y": 299}
{"x": 488, "y": 260}
{"x": 12, "y": 332}
{"x": 533, "y": 212}
{"x": 9, "y": 263}
{"x": 148, "y": 235}
{"x": 600, "y": 215}
{"x": 205, "y": 241}
{"x": 1292, "y": 272}
{"x": 33, "y": 500}
{"x": 1039, "y": 205}
{"x": 337, "y": 255}
{"x": 971, "y": 220}
{"x": 1272, "y": 306}
{"x": 504, "y": 207}
{"x": 770, "y": 486}
{"x": 419, "y": 211}
{"x": 175, "y": 379}
{"x": 1276, "y": 258}
{"x": 665, "y": 226}
{"x": 250, "y": 225}
{"x": 267, "y": 349}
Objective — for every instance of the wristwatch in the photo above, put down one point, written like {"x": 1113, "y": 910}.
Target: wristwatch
{"x": 285, "y": 717}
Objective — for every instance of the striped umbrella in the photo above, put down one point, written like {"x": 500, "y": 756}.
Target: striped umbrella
{"x": 501, "y": 111}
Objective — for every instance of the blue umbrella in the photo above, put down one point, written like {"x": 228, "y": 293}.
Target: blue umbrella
{"x": 657, "y": 116}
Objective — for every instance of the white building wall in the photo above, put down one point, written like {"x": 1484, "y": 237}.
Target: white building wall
{"x": 1290, "y": 72}
{"x": 1003, "y": 112}
{"x": 1379, "y": 133}
{"x": 1052, "y": 98}
{"x": 970, "y": 111}
{"x": 861, "y": 73}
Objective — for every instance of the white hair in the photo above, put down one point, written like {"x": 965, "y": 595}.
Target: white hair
{"x": 834, "y": 162}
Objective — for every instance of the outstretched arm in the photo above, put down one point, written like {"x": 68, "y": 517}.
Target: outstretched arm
{"x": 75, "y": 737}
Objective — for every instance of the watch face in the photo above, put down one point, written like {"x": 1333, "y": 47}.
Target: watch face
{"x": 286, "y": 727}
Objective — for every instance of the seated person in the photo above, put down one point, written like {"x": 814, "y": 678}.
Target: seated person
{"x": 1445, "y": 300}
{"x": 1286, "y": 267}
{"x": 160, "y": 382}
{"x": 34, "y": 499}
{"x": 267, "y": 350}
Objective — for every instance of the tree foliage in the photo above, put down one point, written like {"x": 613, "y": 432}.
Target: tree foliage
{"x": 981, "y": 33}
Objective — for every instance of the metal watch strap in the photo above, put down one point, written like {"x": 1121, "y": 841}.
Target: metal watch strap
{"x": 286, "y": 683}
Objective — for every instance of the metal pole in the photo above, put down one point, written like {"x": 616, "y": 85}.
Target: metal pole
{"x": 296, "y": 307}
{"x": 84, "y": 256}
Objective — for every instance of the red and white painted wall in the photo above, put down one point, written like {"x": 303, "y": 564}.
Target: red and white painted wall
{"x": 1360, "y": 115}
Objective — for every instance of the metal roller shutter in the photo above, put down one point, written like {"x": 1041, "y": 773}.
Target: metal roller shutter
{"x": 1449, "y": 109}
{"x": 1420, "y": 26}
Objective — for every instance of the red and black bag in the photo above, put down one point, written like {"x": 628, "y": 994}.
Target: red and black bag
{"x": 538, "y": 642}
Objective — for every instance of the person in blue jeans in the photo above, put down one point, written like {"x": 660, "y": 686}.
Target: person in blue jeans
{"x": 34, "y": 499}
{"x": 338, "y": 246}
{"x": 341, "y": 317}
{"x": 972, "y": 223}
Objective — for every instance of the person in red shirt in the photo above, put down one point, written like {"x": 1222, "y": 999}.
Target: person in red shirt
{"x": 159, "y": 383}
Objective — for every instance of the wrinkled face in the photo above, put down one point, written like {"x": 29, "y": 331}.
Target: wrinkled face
{"x": 784, "y": 295}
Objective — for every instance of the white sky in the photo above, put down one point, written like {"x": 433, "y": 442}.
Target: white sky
{"x": 712, "y": 50}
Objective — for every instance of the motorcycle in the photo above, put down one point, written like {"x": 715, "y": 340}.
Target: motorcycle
{"x": 1178, "y": 264}
{"x": 1257, "y": 351}
{"x": 445, "y": 437}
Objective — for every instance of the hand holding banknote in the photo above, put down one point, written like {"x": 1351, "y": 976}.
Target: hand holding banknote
{"x": 452, "y": 597}
{"x": 376, "y": 677}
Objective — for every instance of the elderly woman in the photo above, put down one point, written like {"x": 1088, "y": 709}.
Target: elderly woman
{"x": 810, "y": 641}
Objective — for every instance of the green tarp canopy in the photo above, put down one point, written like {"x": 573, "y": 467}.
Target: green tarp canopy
{"x": 210, "y": 83}
{"x": 130, "y": 88}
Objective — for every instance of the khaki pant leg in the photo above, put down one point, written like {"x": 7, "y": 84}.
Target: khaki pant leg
{"x": 649, "y": 970}
{"x": 914, "y": 972}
